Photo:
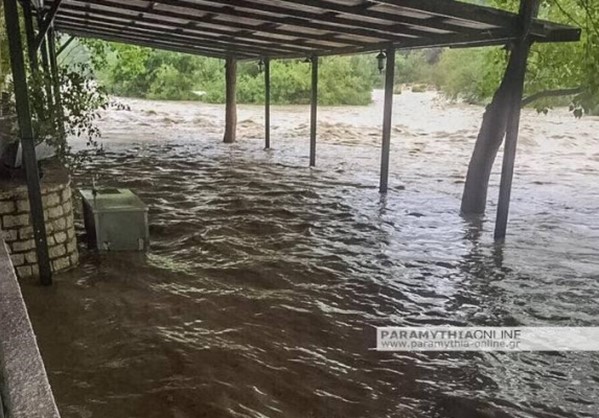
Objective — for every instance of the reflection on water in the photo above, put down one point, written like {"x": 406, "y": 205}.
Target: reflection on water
{"x": 266, "y": 278}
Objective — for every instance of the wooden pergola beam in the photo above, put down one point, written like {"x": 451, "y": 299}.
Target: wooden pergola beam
{"x": 330, "y": 15}
{"x": 248, "y": 49}
{"x": 192, "y": 34}
{"x": 410, "y": 24}
{"x": 119, "y": 11}
{"x": 111, "y": 36}
{"x": 190, "y": 27}
{"x": 243, "y": 29}
{"x": 459, "y": 10}
{"x": 288, "y": 17}
{"x": 339, "y": 29}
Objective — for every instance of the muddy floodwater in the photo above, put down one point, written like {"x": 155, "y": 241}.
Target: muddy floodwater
{"x": 265, "y": 278}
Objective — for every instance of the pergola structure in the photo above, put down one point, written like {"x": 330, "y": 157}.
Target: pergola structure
{"x": 272, "y": 29}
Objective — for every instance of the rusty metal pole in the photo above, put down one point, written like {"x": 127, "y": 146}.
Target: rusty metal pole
{"x": 231, "y": 102}
{"x": 387, "y": 117}
{"x": 313, "y": 110}
{"x": 266, "y": 103}
{"x": 528, "y": 10}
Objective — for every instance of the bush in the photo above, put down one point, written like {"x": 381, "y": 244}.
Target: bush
{"x": 146, "y": 73}
{"x": 465, "y": 73}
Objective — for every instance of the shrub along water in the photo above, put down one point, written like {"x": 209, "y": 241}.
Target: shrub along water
{"x": 146, "y": 73}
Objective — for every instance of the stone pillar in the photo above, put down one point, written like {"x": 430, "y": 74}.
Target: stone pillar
{"x": 18, "y": 231}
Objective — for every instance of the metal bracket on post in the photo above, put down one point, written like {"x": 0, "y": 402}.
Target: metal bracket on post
{"x": 11, "y": 16}
{"x": 65, "y": 45}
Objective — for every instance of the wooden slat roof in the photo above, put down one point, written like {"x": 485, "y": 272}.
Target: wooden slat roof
{"x": 251, "y": 29}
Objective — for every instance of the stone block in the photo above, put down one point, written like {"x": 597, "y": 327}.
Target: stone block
{"x": 69, "y": 220}
{"x": 10, "y": 235}
{"x": 71, "y": 246}
{"x": 57, "y": 251}
{"x": 14, "y": 194}
{"x": 60, "y": 237}
{"x": 10, "y": 221}
{"x": 74, "y": 258}
{"x": 23, "y": 206}
{"x": 66, "y": 194}
{"x": 24, "y": 271}
{"x": 20, "y": 246}
{"x": 71, "y": 232}
{"x": 67, "y": 207}
{"x": 50, "y": 200}
{"x": 7, "y": 207}
{"x": 26, "y": 232}
{"x": 31, "y": 257}
{"x": 59, "y": 224}
{"x": 18, "y": 259}
{"x": 55, "y": 212}
{"x": 61, "y": 263}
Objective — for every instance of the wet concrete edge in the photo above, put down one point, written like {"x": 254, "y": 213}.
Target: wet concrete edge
{"x": 24, "y": 385}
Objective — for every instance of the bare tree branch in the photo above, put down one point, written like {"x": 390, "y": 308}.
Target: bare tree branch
{"x": 551, "y": 93}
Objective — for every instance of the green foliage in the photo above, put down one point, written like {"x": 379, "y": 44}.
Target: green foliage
{"x": 80, "y": 101}
{"x": 475, "y": 74}
{"x": 416, "y": 67}
{"x": 4, "y": 60}
{"x": 469, "y": 74}
{"x": 142, "y": 72}
{"x": 54, "y": 119}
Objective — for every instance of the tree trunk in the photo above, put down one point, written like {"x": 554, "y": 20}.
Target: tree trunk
{"x": 490, "y": 137}
{"x": 231, "y": 103}
{"x": 493, "y": 128}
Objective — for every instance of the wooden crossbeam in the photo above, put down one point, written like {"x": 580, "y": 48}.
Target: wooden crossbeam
{"x": 116, "y": 36}
{"x": 459, "y": 10}
{"x": 195, "y": 26}
{"x": 289, "y": 17}
{"x": 86, "y": 32}
{"x": 285, "y": 29}
{"x": 197, "y": 38}
{"x": 400, "y": 22}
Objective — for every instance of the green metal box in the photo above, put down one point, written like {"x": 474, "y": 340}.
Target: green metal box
{"x": 115, "y": 220}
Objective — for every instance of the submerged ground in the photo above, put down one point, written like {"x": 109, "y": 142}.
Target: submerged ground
{"x": 266, "y": 278}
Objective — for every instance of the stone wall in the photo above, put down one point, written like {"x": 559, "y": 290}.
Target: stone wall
{"x": 24, "y": 386}
{"x": 18, "y": 232}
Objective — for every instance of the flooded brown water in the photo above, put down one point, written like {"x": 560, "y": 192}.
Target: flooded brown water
{"x": 266, "y": 278}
